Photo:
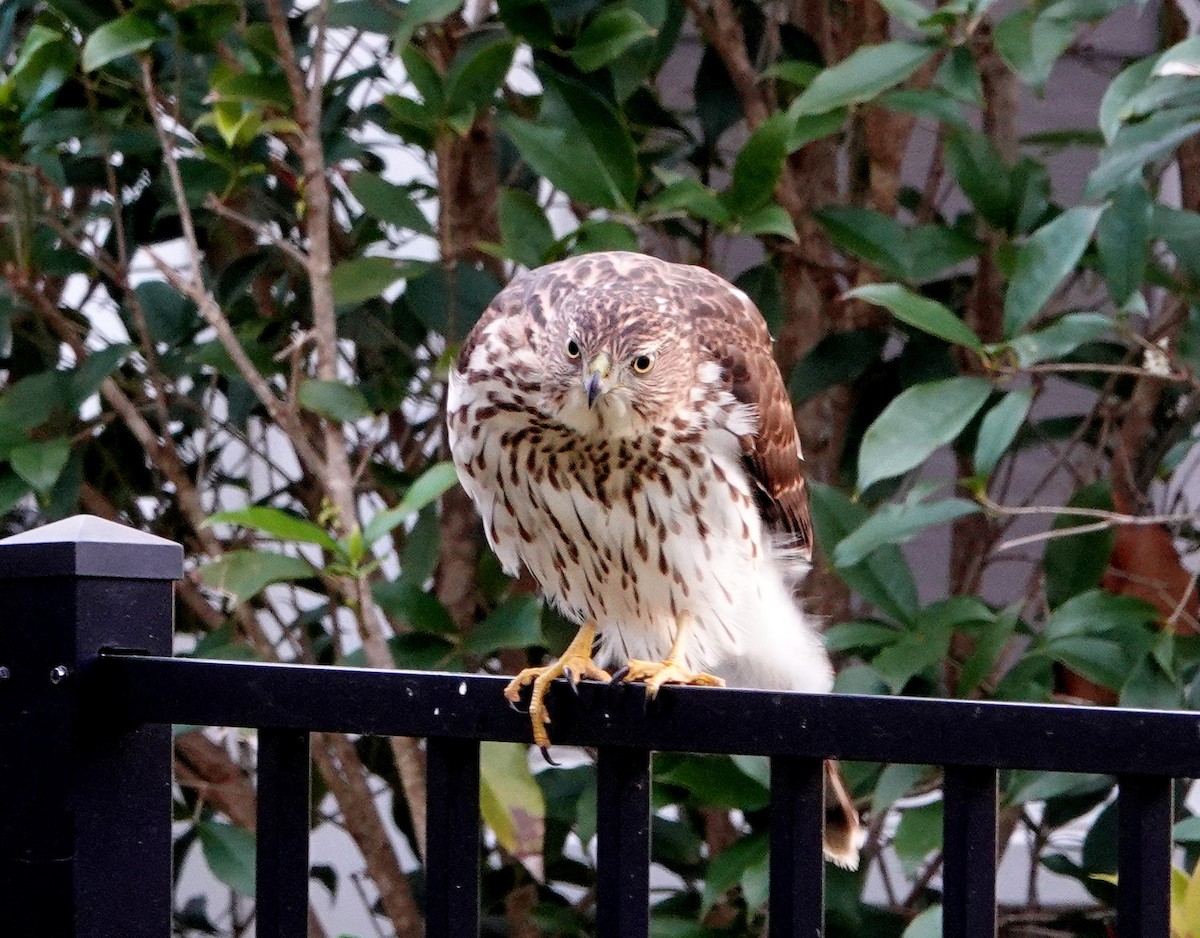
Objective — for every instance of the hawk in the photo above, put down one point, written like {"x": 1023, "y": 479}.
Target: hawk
{"x": 623, "y": 429}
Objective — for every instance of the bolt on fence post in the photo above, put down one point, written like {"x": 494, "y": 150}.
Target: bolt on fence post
{"x": 85, "y": 803}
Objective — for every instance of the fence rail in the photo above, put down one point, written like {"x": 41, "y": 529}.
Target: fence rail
{"x": 85, "y": 761}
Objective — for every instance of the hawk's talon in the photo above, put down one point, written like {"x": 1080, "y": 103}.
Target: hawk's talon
{"x": 654, "y": 674}
{"x": 576, "y": 663}
{"x": 619, "y": 675}
{"x": 515, "y": 707}
{"x": 546, "y": 755}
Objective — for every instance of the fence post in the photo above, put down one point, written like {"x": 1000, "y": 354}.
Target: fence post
{"x": 85, "y": 805}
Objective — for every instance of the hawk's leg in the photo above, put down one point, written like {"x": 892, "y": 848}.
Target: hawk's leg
{"x": 669, "y": 671}
{"x": 576, "y": 663}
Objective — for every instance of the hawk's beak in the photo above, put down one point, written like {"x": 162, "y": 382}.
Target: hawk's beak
{"x": 593, "y": 381}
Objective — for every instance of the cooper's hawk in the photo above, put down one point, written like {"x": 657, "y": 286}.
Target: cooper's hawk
{"x": 624, "y": 431}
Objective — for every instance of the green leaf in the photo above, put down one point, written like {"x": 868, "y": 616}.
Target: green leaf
{"x": 1075, "y": 564}
{"x": 472, "y": 82}
{"x": 334, "y": 400}
{"x": 517, "y": 623}
{"x": 918, "y": 834}
{"x": 726, "y": 868}
{"x": 528, "y": 237}
{"x": 123, "y": 36}
{"x": 687, "y": 195}
{"x": 756, "y": 884}
{"x": 883, "y": 579}
{"x": 999, "y": 428}
{"x": 277, "y": 523}
{"x": 1128, "y": 83}
{"x": 1100, "y": 660}
{"x": 866, "y": 73}
{"x": 896, "y": 781}
{"x": 1138, "y": 144}
{"x": 916, "y": 650}
{"x": 229, "y": 852}
{"x": 981, "y": 174}
{"x": 1060, "y": 338}
{"x": 1187, "y": 831}
{"x": 364, "y": 278}
{"x": 877, "y": 238}
{"x": 606, "y": 37}
{"x": 243, "y": 574}
{"x": 41, "y": 463}
{"x": 909, "y": 12}
{"x": 594, "y": 159}
{"x": 796, "y": 72}
{"x": 924, "y": 102}
{"x": 989, "y": 645}
{"x": 769, "y": 219}
{"x": 1031, "y": 42}
{"x": 419, "y": 12}
{"x": 31, "y": 401}
{"x": 372, "y": 16}
{"x": 898, "y": 524}
{"x": 926, "y": 925}
{"x": 838, "y": 358}
{"x": 1096, "y": 612}
{"x": 1149, "y": 687}
{"x": 1123, "y": 240}
{"x": 511, "y": 801}
{"x": 1026, "y": 786}
{"x": 550, "y": 152}
{"x": 959, "y": 76}
{"x": 919, "y": 311}
{"x": 848, "y": 636}
{"x": 603, "y": 234}
{"x": 87, "y": 378}
{"x": 716, "y": 781}
{"x": 414, "y": 607}
{"x": 757, "y": 167}
{"x": 389, "y": 203}
{"x": 916, "y": 423}
{"x": 810, "y": 127}
{"x": 1044, "y": 260}
{"x": 427, "y": 488}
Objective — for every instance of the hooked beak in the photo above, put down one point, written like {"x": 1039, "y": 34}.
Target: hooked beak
{"x": 594, "y": 377}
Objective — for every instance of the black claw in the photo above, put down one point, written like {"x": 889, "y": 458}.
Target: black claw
{"x": 546, "y": 756}
{"x": 619, "y": 675}
{"x": 569, "y": 676}
{"x": 515, "y": 706}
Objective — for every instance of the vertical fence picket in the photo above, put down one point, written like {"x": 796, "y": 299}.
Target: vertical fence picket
{"x": 1144, "y": 810}
{"x": 797, "y": 884}
{"x": 453, "y": 840}
{"x": 283, "y": 824}
{"x": 969, "y": 852}
{"x": 623, "y": 842}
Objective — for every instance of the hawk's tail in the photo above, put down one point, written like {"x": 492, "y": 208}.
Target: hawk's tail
{"x": 843, "y": 832}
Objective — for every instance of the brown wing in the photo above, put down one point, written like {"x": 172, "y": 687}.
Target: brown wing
{"x": 734, "y": 333}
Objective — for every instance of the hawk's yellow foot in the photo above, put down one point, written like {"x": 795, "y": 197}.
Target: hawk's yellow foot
{"x": 669, "y": 671}
{"x": 657, "y": 673}
{"x": 576, "y": 663}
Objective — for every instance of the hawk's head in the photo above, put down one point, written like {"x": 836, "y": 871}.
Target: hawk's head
{"x": 616, "y": 357}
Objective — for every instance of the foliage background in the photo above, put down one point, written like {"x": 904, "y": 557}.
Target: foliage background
{"x": 242, "y": 240}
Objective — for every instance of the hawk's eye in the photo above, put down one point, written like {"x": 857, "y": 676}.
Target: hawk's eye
{"x": 572, "y": 349}
{"x": 642, "y": 364}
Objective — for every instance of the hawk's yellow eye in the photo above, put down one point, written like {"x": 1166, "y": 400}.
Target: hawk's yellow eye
{"x": 572, "y": 349}
{"x": 642, "y": 364}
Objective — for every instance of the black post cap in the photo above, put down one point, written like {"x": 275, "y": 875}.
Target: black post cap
{"x": 87, "y": 546}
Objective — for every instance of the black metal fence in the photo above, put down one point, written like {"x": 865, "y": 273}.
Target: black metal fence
{"x": 88, "y": 694}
